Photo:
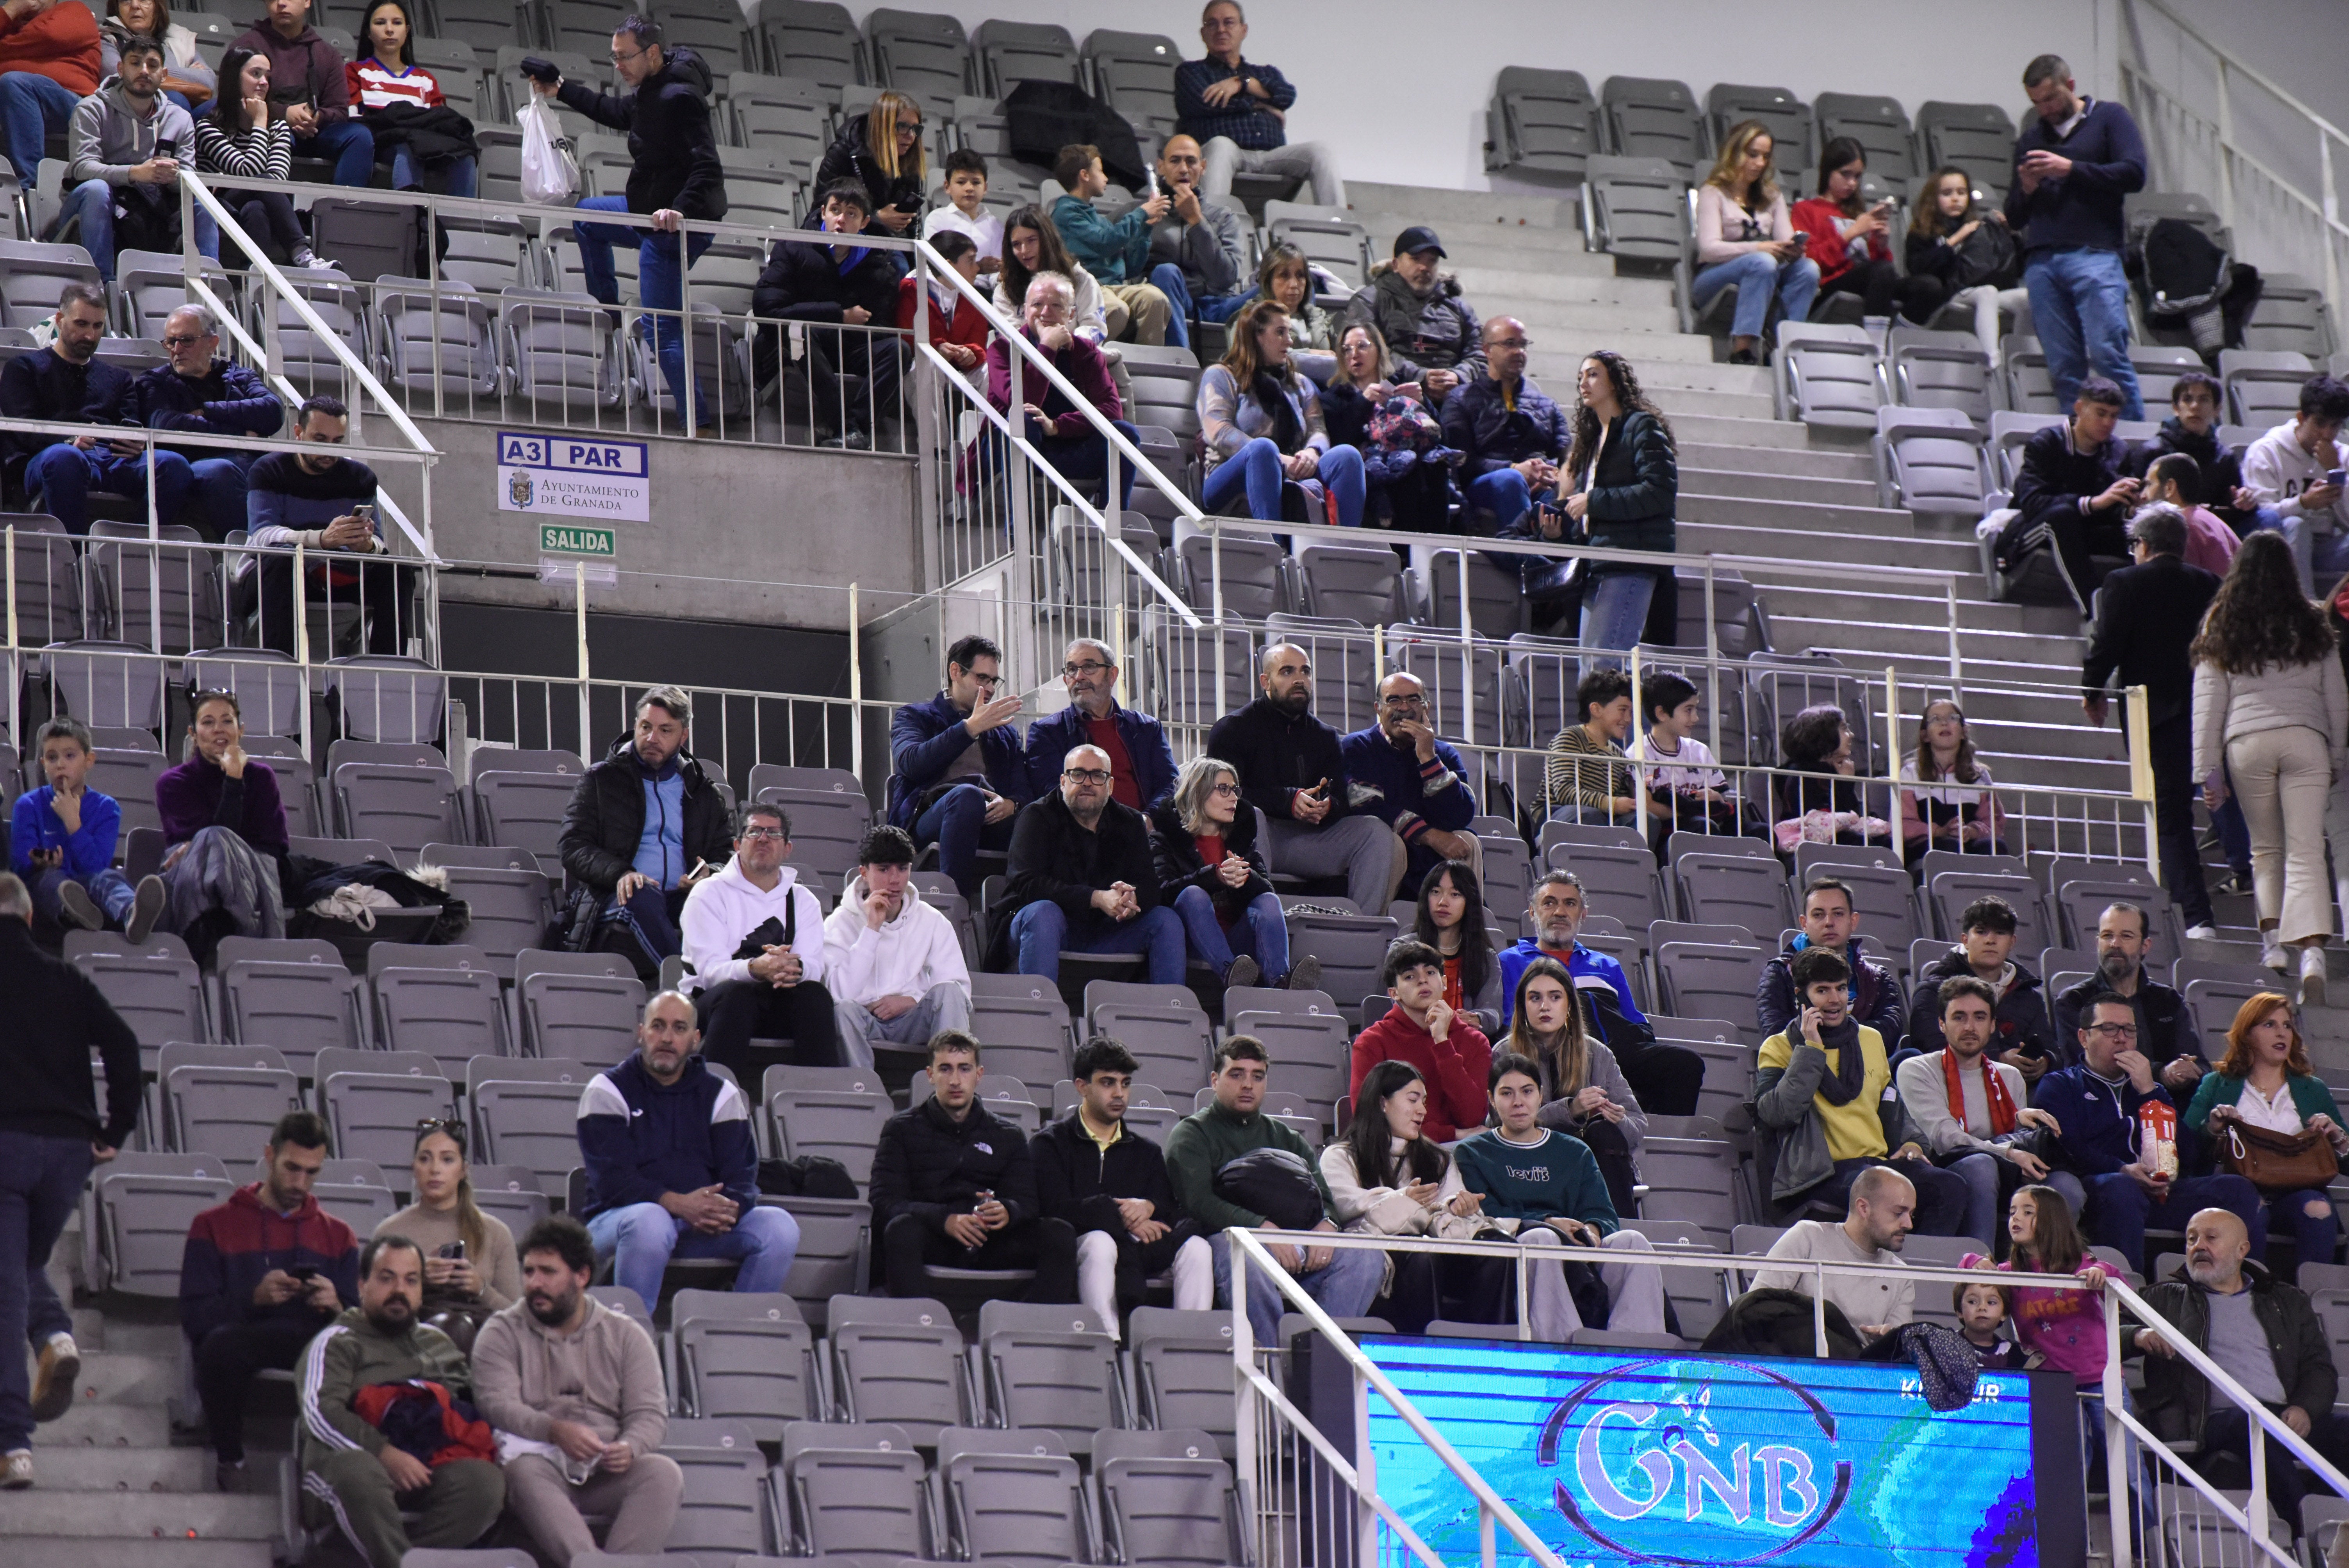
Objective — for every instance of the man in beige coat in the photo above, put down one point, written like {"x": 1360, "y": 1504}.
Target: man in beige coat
{"x": 575, "y": 1392}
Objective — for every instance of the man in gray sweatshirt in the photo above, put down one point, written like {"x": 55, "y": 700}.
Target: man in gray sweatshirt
{"x": 1201, "y": 238}
{"x": 124, "y": 176}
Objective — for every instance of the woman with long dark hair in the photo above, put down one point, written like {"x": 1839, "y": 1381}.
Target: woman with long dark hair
{"x": 1967, "y": 249}
{"x": 469, "y": 1267}
{"x": 2266, "y": 1081}
{"x": 1031, "y": 245}
{"x": 1936, "y": 815}
{"x": 1387, "y": 1180}
{"x": 1583, "y": 1089}
{"x": 1849, "y": 240}
{"x": 1451, "y": 920}
{"x": 1261, "y": 422}
{"x": 245, "y": 134}
{"x": 224, "y": 832}
{"x": 1626, "y": 478}
{"x": 400, "y": 102}
{"x": 2271, "y": 712}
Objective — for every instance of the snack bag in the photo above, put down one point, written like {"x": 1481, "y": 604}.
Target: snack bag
{"x": 2157, "y": 1138}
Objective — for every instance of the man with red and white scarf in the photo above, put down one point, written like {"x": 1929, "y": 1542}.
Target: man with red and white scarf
{"x": 1971, "y": 1108}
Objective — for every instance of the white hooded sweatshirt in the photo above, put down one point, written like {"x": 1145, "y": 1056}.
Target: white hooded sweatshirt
{"x": 2277, "y": 468}
{"x": 724, "y": 909}
{"x": 905, "y": 956}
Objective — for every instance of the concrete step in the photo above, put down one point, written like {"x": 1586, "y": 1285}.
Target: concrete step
{"x": 1796, "y": 516}
{"x": 1698, "y": 450}
{"x": 154, "y": 1552}
{"x": 186, "y": 1470}
{"x": 1698, "y": 482}
{"x": 1713, "y": 430}
{"x": 121, "y": 1516}
{"x": 1529, "y": 276}
{"x": 1555, "y": 366}
{"x": 118, "y": 1378}
{"x": 1573, "y": 323}
{"x": 95, "y": 1424}
{"x": 1677, "y": 401}
{"x": 1712, "y": 377}
{"x": 1797, "y": 544}
{"x": 1406, "y": 205}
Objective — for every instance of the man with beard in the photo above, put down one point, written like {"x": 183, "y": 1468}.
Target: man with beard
{"x": 353, "y": 1474}
{"x": 2124, "y": 945}
{"x": 1082, "y": 881}
{"x": 574, "y": 1389}
{"x": 1969, "y": 1108}
{"x": 1397, "y": 771}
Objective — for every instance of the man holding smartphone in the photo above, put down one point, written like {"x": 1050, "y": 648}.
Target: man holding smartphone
{"x": 124, "y": 173}
{"x": 326, "y": 503}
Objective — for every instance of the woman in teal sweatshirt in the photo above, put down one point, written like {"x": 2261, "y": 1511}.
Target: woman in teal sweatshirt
{"x": 2266, "y": 1082}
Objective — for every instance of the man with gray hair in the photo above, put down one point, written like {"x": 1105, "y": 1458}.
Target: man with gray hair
{"x": 1141, "y": 765}
{"x": 198, "y": 392}
{"x": 67, "y": 383}
{"x": 1047, "y": 415}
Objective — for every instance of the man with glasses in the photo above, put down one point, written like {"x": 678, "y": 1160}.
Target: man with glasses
{"x": 197, "y": 391}
{"x": 1082, "y": 880}
{"x": 1141, "y": 765}
{"x": 1048, "y": 417}
{"x": 852, "y": 376}
{"x": 1239, "y": 109}
{"x": 754, "y": 955}
{"x": 2114, "y": 1167}
{"x": 326, "y": 503}
{"x": 958, "y": 770}
{"x": 1397, "y": 772}
{"x": 1511, "y": 435}
{"x": 67, "y": 383}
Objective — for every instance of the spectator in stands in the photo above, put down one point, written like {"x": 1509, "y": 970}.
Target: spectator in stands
{"x": 1511, "y": 437}
{"x": 470, "y": 1268}
{"x": 68, "y": 383}
{"x": 1136, "y": 743}
{"x": 187, "y": 79}
{"x": 756, "y": 957}
{"x": 2263, "y": 1334}
{"x": 1849, "y": 240}
{"x": 245, "y": 133}
{"x": 1449, "y": 918}
{"x": 327, "y": 504}
{"x": 224, "y": 836}
{"x": 1816, "y": 800}
{"x": 1666, "y": 1078}
{"x": 1429, "y": 329}
{"x": 62, "y": 837}
{"x": 1967, "y": 250}
{"x": 2074, "y": 164}
{"x": 1406, "y": 467}
{"x": 958, "y": 770}
{"x": 1599, "y": 791}
{"x": 1052, "y": 422}
{"x": 259, "y": 1276}
{"x": 894, "y": 964}
{"x": 1118, "y": 253}
{"x": 644, "y": 824}
{"x": 1872, "y": 991}
{"x": 1220, "y": 1188}
{"x": 2266, "y": 1084}
{"x": 1201, "y": 238}
{"x": 676, "y": 176}
{"x": 402, "y": 106}
{"x": 1398, "y": 772}
{"x": 1211, "y": 872}
{"x": 2072, "y": 495}
{"x": 1237, "y": 109}
{"x": 958, "y": 328}
{"x": 1032, "y": 245}
{"x": 2192, "y": 430}
{"x": 2116, "y": 1164}
{"x": 2021, "y": 1036}
{"x": 1881, "y": 1210}
{"x": 568, "y": 1382}
{"x": 123, "y": 170}
{"x": 1108, "y": 1184}
{"x": 1292, "y": 768}
{"x": 1820, "y": 1086}
{"x": 1286, "y": 276}
{"x": 882, "y": 150}
{"x": 1422, "y": 1032}
{"x": 1745, "y": 239}
{"x": 1583, "y": 1089}
{"x": 2146, "y": 617}
{"x": 2064, "y": 1327}
{"x": 2290, "y": 469}
{"x": 671, "y": 1168}
{"x": 1082, "y": 879}
{"x": 2270, "y": 709}
{"x": 309, "y": 79}
{"x": 2172, "y": 485}
{"x": 1685, "y": 790}
{"x": 852, "y": 376}
{"x": 48, "y": 63}
{"x": 965, "y": 212}
{"x": 1968, "y": 1110}
{"x": 2165, "y": 1034}
{"x": 196, "y": 392}
{"x": 51, "y": 1140}
{"x": 1390, "y": 1176}
{"x": 369, "y": 1363}
{"x": 955, "y": 1186}
{"x": 1621, "y": 486}
{"x": 1261, "y": 422}
{"x": 1951, "y": 805}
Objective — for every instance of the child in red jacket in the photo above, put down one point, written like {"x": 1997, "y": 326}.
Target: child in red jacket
{"x": 1450, "y": 1052}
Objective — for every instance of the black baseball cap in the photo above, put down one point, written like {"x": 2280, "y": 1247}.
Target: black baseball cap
{"x": 1418, "y": 237}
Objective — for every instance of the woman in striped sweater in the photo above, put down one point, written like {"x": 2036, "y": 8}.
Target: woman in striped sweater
{"x": 389, "y": 92}
{"x": 1588, "y": 780}
{"x": 245, "y": 135}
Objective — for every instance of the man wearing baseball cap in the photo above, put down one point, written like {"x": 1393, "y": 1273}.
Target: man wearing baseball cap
{"x": 1434, "y": 335}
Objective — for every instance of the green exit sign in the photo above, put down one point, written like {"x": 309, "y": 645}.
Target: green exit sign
{"x": 569, "y": 541}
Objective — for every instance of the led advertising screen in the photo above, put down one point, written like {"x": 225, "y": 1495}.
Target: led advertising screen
{"x": 1620, "y": 1458}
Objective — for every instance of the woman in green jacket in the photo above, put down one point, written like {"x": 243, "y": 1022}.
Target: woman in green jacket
{"x": 2266, "y": 1082}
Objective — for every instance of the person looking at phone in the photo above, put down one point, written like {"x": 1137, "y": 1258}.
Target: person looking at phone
{"x": 1745, "y": 240}
{"x": 2297, "y": 469}
{"x": 261, "y": 1275}
{"x": 125, "y": 144}
{"x": 326, "y": 503}
{"x": 754, "y": 955}
{"x": 469, "y": 1256}
{"x": 1850, "y": 240}
{"x": 2072, "y": 494}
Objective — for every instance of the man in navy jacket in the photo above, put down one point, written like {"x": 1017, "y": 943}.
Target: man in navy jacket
{"x": 957, "y": 768}
{"x": 2074, "y": 165}
{"x": 671, "y": 1168}
{"x": 1397, "y": 771}
{"x": 1141, "y": 762}
{"x": 196, "y": 392}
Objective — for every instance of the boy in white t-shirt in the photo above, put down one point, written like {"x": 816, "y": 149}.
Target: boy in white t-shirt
{"x": 966, "y": 191}
{"x": 1686, "y": 790}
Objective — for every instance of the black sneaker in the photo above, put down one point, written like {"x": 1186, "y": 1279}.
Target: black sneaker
{"x": 1742, "y": 356}
{"x": 76, "y": 908}
{"x": 1305, "y": 974}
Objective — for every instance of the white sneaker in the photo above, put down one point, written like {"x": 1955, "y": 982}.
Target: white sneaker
{"x": 2312, "y": 976}
{"x": 16, "y": 1470}
{"x": 2205, "y": 933}
{"x": 2272, "y": 955}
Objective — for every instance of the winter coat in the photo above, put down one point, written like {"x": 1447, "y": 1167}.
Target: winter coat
{"x": 350, "y": 1355}
{"x": 605, "y": 819}
{"x": 50, "y": 1091}
{"x": 673, "y": 152}
{"x": 2147, "y": 617}
{"x": 2161, "y": 1017}
{"x": 1175, "y": 854}
{"x": 44, "y": 385}
{"x": 1434, "y": 331}
{"x": 1636, "y": 488}
{"x": 1278, "y": 754}
{"x": 803, "y": 281}
{"x": 1079, "y": 1180}
{"x": 1054, "y": 859}
{"x": 1053, "y": 736}
{"x": 849, "y": 159}
{"x": 2177, "y": 1398}
{"x": 931, "y": 1166}
{"x": 1876, "y": 999}
{"x": 2098, "y": 1116}
{"x": 228, "y": 399}
{"x": 640, "y": 1138}
{"x": 1479, "y": 422}
{"x": 2021, "y": 1016}
{"x": 1785, "y": 1102}
{"x": 924, "y": 737}
{"x": 907, "y": 954}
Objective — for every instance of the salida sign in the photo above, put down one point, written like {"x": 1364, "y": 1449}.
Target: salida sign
{"x": 575, "y": 475}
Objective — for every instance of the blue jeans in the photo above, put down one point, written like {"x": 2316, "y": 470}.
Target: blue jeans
{"x": 92, "y": 204}
{"x": 216, "y": 494}
{"x": 40, "y": 1183}
{"x": 348, "y": 144}
{"x": 1040, "y": 934}
{"x": 1256, "y": 468}
{"x": 641, "y": 1238}
{"x": 463, "y": 174}
{"x": 1086, "y": 457}
{"x": 113, "y": 892}
{"x": 1615, "y": 608}
{"x": 1345, "y": 1289}
{"x": 1981, "y": 1173}
{"x": 1503, "y": 493}
{"x": 1183, "y": 311}
{"x": 1759, "y": 278}
{"x": 661, "y": 286}
{"x": 2119, "y": 1210}
{"x": 2309, "y": 1219}
{"x": 1262, "y": 930}
{"x": 957, "y": 822}
{"x": 61, "y": 478}
{"x": 32, "y": 106}
{"x": 2079, "y": 304}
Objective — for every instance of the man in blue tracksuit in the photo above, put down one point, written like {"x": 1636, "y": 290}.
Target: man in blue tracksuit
{"x": 958, "y": 770}
{"x": 1397, "y": 771}
{"x": 1141, "y": 764}
{"x": 2074, "y": 165}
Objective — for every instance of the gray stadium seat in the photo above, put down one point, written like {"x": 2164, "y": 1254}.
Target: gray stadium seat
{"x": 1163, "y": 1026}
{"x": 296, "y": 996}
{"x": 1941, "y": 370}
{"x": 144, "y": 1205}
{"x": 267, "y": 685}
{"x": 2290, "y": 315}
{"x": 2262, "y": 385}
{"x": 835, "y": 1251}
{"x": 725, "y": 1506}
{"x": 1616, "y": 882}
{"x": 1651, "y": 118}
{"x": 855, "y": 1487}
{"x": 1308, "y": 1050}
{"x": 1691, "y": 1180}
{"x": 1878, "y": 124}
{"x": 1950, "y": 892}
{"x": 452, "y": 1014}
{"x": 2158, "y": 365}
{"x": 452, "y": 338}
{"x": 744, "y": 1356}
{"x": 1011, "y": 1497}
{"x": 1703, "y": 980}
{"x": 1636, "y": 208}
{"x": 511, "y": 1192}
{"x": 1352, "y": 948}
{"x": 1050, "y": 1368}
{"x": 1978, "y": 138}
{"x": 898, "y": 1361}
{"x": 1167, "y": 1496}
{"x": 158, "y": 590}
{"x": 107, "y": 682}
{"x": 1179, "y": 662}
{"x": 1740, "y": 889}
{"x": 511, "y": 905}
{"x": 48, "y": 581}
{"x": 213, "y": 1107}
{"x": 1009, "y": 53}
{"x": 1929, "y": 462}
{"x": 840, "y": 1123}
{"x": 372, "y": 1115}
{"x": 1496, "y": 600}
{"x": 1349, "y": 581}
{"x": 155, "y": 990}
{"x": 1830, "y": 377}
{"x": 525, "y": 1116}
{"x": 922, "y": 54}
{"x": 1251, "y": 562}
{"x": 1540, "y": 122}
{"x": 578, "y": 1007}
{"x": 1024, "y": 1025}
{"x": 381, "y": 696}
{"x": 523, "y": 810}
{"x": 2022, "y": 367}
{"x": 1133, "y": 72}
{"x": 1182, "y": 1364}
{"x": 407, "y": 808}
{"x": 1792, "y": 134}
{"x": 814, "y": 40}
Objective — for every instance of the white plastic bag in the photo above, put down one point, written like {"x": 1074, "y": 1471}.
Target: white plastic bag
{"x": 549, "y": 173}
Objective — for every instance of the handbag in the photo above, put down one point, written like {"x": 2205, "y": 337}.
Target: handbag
{"x": 2279, "y": 1162}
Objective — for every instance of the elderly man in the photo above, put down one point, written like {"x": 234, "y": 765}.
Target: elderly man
{"x": 1969, "y": 1108}
{"x": 2262, "y": 1333}
{"x": 1293, "y": 769}
{"x": 1082, "y": 881}
{"x": 1202, "y": 240}
{"x": 198, "y": 392}
{"x": 1511, "y": 436}
{"x": 1239, "y": 109}
{"x": 1417, "y": 308}
{"x": 325, "y": 502}
{"x": 1398, "y": 772}
{"x": 958, "y": 769}
{"x": 754, "y": 948}
{"x": 1141, "y": 760}
{"x": 67, "y": 383}
{"x": 1052, "y": 421}
{"x": 124, "y": 183}
{"x": 1876, "y": 1225}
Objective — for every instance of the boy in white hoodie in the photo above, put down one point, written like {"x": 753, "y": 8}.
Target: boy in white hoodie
{"x": 2287, "y": 468}
{"x": 753, "y": 941}
{"x": 897, "y": 970}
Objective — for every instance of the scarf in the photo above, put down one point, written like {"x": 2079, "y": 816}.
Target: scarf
{"x": 1851, "y": 1064}
{"x": 2002, "y": 1104}
{"x": 1288, "y": 432}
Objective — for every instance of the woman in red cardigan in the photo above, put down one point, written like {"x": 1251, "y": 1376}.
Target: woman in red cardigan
{"x": 1849, "y": 241}
{"x": 957, "y": 330}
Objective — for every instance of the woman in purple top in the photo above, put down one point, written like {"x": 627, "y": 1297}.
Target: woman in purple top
{"x": 225, "y": 825}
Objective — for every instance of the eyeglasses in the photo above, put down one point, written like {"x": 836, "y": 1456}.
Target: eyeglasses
{"x": 1089, "y": 667}
{"x": 1511, "y": 342}
{"x": 182, "y": 339}
{"x": 1224, "y": 791}
{"x": 987, "y": 683}
{"x": 767, "y": 835}
{"x": 620, "y": 59}
{"x": 2114, "y": 1031}
{"x": 1404, "y": 705}
{"x": 1087, "y": 775}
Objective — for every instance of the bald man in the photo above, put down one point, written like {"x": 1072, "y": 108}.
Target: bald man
{"x": 1293, "y": 769}
{"x": 1200, "y": 238}
{"x": 1881, "y": 1212}
{"x": 1512, "y": 435}
{"x": 1397, "y": 771}
{"x": 1082, "y": 881}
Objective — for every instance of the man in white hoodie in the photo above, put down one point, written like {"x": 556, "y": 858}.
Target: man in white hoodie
{"x": 753, "y": 942}
{"x": 895, "y": 966}
{"x": 2289, "y": 469}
